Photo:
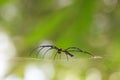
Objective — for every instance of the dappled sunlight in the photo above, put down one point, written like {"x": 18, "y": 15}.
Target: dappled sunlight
{"x": 71, "y": 76}
{"x": 115, "y": 76}
{"x": 34, "y": 73}
{"x": 9, "y": 12}
{"x": 43, "y": 72}
{"x": 93, "y": 74}
{"x": 101, "y": 26}
{"x": 63, "y": 3}
{"x": 68, "y": 75}
{"x": 110, "y": 2}
{"x": 110, "y": 5}
{"x": 7, "y": 51}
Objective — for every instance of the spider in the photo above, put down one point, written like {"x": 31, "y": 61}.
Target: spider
{"x": 67, "y": 51}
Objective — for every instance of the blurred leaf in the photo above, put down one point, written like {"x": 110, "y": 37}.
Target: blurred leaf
{"x": 2, "y": 2}
{"x": 79, "y": 30}
{"x": 43, "y": 29}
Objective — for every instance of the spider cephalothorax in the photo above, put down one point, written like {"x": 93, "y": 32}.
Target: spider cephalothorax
{"x": 67, "y": 51}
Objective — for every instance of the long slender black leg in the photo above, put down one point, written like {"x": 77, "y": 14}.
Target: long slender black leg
{"x": 71, "y": 55}
{"x": 38, "y": 52}
{"x": 60, "y": 56}
{"x": 33, "y": 50}
{"x": 88, "y": 53}
{"x": 40, "y": 49}
{"x": 72, "y": 48}
{"x": 66, "y": 55}
{"x": 75, "y": 49}
{"x": 46, "y": 52}
{"x": 55, "y": 55}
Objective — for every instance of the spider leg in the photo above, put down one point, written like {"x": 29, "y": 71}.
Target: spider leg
{"x": 71, "y": 55}
{"x": 66, "y": 52}
{"x": 66, "y": 55}
{"x": 75, "y": 49}
{"x": 51, "y": 47}
{"x": 72, "y": 48}
{"x": 54, "y": 47}
{"x": 39, "y": 51}
{"x": 46, "y": 52}
{"x": 88, "y": 53}
{"x": 55, "y": 55}
{"x": 41, "y": 47}
{"x": 60, "y": 56}
{"x": 33, "y": 51}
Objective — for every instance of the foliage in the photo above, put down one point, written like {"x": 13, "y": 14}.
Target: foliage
{"x": 89, "y": 24}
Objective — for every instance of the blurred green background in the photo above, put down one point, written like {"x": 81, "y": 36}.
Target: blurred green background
{"x": 92, "y": 25}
